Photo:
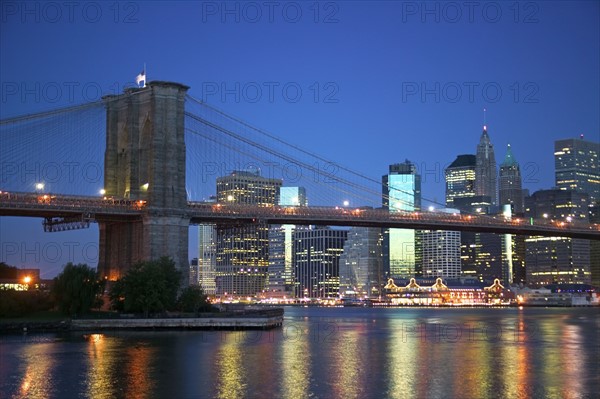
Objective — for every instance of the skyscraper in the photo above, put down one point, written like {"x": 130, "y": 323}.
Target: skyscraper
{"x": 281, "y": 257}
{"x": 317, "y": 262}
{"x": 460, "y": 179}
{"x": 485, "y": 171}
{"x": 577, "y": 166}
{"x": 557, "y": 259}
{"x": 511, "y": 190}
{"x": 242, "y": 252}
{"x": 441, "y": 252}
{"x": 361, "y": 272}
{"x": 401, "y": 193}
{"x": 207, "y": 258}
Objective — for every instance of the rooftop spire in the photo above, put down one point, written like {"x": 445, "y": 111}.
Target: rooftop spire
{"x": 484, "y": 124}
{"x": 509, "y": 158}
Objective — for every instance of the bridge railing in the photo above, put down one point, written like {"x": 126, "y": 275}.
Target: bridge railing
{"x": 21, "y": 200}
{"x": 287, "y": 214}
{"x": 382, "y": 215}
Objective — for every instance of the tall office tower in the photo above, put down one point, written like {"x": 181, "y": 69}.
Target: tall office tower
{"x": 460, "y": 179}
{"x": 194, "y": 272}
{"x": 481, "y": 253}
{"x": 595, "y": 246}
{"x": 361, "y": 263}
{"x": 281, "y": 260}
{"x": 207, "y": 258}
{"x": 557, "y": 259}
{"x": 518, "y": 252}
{"x": 485, "y": 171}
{"x": 317, "y": 262}
{"x": 441, "y": 252}
{"x": 242, "y": 252}
{"x": 558, "y": 205}
{"x": 511, "y": 190}
{"x": 481, "y": 256}
{"x": 577, "y": 166}
{"x": 401, "y": 193}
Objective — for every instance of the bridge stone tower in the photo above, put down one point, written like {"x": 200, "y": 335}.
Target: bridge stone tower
{"x": 145, "y": 161}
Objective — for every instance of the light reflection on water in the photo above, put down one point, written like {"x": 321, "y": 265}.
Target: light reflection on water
{"x": 323, "y": 353}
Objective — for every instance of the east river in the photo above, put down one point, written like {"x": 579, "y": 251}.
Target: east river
{"x": 323, "y": 353}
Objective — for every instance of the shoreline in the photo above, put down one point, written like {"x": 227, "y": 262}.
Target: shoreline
{"x": 246, "y": 320}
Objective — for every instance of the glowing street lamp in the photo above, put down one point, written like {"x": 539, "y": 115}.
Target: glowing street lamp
{"x": 39, "y": 186}
{"x": 27, "y": 279}
{"x": 346, "y": 203}
{"x": 102, "y": 191}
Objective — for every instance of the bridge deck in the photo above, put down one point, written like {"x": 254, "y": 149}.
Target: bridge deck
{"x": 98, "y": 208}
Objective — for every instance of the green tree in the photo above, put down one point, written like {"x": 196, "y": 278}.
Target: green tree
{"x": 148, "y": 287}
{"x": 76, "y": 289}
{"x": 193, "y": 300}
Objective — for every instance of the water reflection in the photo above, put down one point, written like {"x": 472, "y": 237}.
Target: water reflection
{"x": 325, "y": 353}
{"x": 348, "y": 371}
{"x": 35, "y": 383}
{"x": 295, "y": 360}
{"x": 402, "y": 360}
{"x": 231, "y": 376}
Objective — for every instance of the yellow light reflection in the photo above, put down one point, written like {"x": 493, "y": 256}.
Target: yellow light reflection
{"x": 572, "y": 350}
{"x": 296, "y": 364}
{"x": 402, "y": 360}
{"x": 231, "y": 375}
{"x": 349, "y": 373}
{"x": 471, "y": 376}
{"x": 553, "y": 363}
{"x": 36, "y": 381}
{"x": 101, "y": 363}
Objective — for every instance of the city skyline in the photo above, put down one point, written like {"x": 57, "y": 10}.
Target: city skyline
{"x": 374, "y": 91}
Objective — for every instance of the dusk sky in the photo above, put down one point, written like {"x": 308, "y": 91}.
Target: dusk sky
{"x": 364, "y": 84}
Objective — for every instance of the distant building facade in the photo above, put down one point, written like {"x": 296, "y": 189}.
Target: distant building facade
{"x": 552, "y": 260}
{"x": 242, "y": 252}
{"x": 460, "y": 179}
{"x": 577, "y": 166}
{"x": 401, "y": 193}
{"x": 281, "y": 257}
{"x": 361, "y": 263}
{"x": 511, "y": 185}
{"x": 317, "y": 255}
{"x": 485, "y": 171}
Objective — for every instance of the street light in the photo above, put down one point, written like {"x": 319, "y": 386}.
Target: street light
{"x": 39, "y": 186}
{"x": 102, "y": 191}
{"x": 27, "y": 279}
{"x": 346, "y": 203}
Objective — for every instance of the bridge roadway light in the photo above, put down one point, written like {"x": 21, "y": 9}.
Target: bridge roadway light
{"x": 39, "y": 186}
{"x": 102, "y": 191}
{"x": 346, "y": 203}
{"x": 431, "y": 208}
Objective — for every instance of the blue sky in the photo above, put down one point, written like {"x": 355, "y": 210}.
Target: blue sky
{"x": 395, "y": 80}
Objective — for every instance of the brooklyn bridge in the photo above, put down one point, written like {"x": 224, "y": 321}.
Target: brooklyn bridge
{"x": 157, "y": 152}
